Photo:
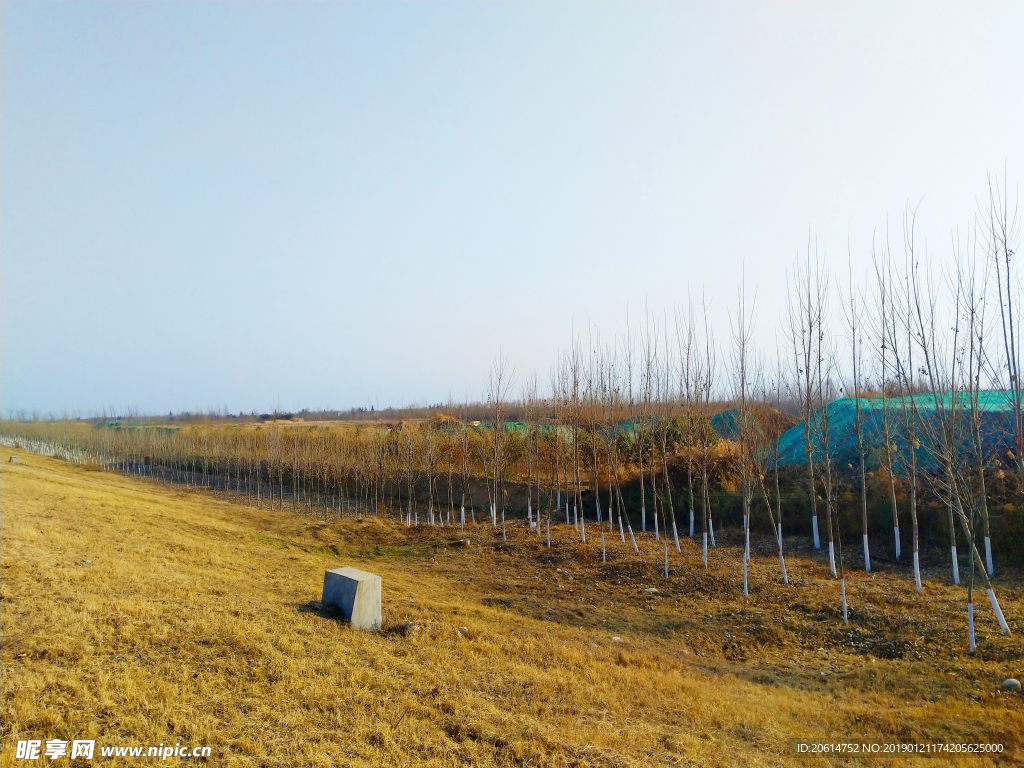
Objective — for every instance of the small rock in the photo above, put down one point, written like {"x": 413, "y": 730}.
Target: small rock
{"x": 86, "y": 562}
{"x": 616, "y": 639}
{"x": 13, "y": 460}
{"x": 464, "y": 631}
{"x": 558, "y": 570}
{"x": 650, "y": 590}
{"x": 1010, "y": 684}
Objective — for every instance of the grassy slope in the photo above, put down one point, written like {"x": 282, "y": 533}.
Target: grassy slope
{"x": 135, "y": 614}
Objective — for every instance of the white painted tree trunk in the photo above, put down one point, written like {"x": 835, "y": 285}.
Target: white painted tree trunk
{"x": 656, "y": 536}
{"x": 956, "y": 564}
{"x": 745, "y": 591}
{"x": 691, "y": 522}
{"x": 846, "y": 618}
{"x": 549, "y": 533}
{"x": 583, "y": 531}
{"x": 995, "y": 609}
{"x": 711, "y": 531}
{"x": 814, "y": 526}
{"x": 643, "y": 518}
{"x": 604, "y": 558}
{"x": 832, "y": 558}
{"x": 705, "y": 548}
{"x": 970, "y": 625}
{"x": 896, "y": 533}
{"x": 633, "y": 539}
{"x": 622, "y": 535}
{"x": 917, "y": 573}
{"x": 675, "y": 537}
{"x": 867, "y": 555}
{"x": 666, "y": 558}
{"x": 988, "y": 558}
{"x": 462, "y": 518}
{"x": 782, "y": 559}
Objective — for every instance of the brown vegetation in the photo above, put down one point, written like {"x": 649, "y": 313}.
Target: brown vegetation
{"x": 139, "y": 614}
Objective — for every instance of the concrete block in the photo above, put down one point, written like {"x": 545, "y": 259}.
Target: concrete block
{"x": 356, "y": 594}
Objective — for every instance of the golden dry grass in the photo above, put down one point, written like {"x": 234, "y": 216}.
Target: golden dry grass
{"x": 137, "y": 615}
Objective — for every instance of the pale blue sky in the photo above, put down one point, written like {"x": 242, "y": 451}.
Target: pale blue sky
{"x": 302, "y": 204}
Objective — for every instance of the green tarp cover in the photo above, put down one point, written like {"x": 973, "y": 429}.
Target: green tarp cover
{"x": 923, "y": 413}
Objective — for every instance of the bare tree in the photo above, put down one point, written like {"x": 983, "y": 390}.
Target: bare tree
{"x": 499, "y": 385}
{"x": 1002, "y": 227}
{"x": 804, "y": 317}
{"x": 885, "y": 351}
{"x": 705, "y": 377}
{"x": 743, "y": 373}
{"x": 852, "y": 311}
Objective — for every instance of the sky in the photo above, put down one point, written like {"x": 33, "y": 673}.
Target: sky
{"x": 329, "y": 205}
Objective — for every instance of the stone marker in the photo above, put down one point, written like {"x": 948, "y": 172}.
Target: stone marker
{"x": 356, "y": 594}
{"x": 13, "y": 460}
{"x": 1011, "y": 684}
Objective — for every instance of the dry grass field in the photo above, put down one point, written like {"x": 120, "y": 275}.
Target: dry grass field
{"x": 136, "y": 614}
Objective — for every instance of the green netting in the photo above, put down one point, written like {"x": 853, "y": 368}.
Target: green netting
{"x": 726, "y": 423}
{"x": 523, "y": 428}
{"x": 920, "y": 414}
{"x": 135, "y": 425}
{"x": 626, "y": 427}
{"x": 647, "y": 425}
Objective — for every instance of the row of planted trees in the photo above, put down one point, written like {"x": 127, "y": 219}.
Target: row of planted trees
{"x": 626, "y": 435}
{"x": 435, "y": 468}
